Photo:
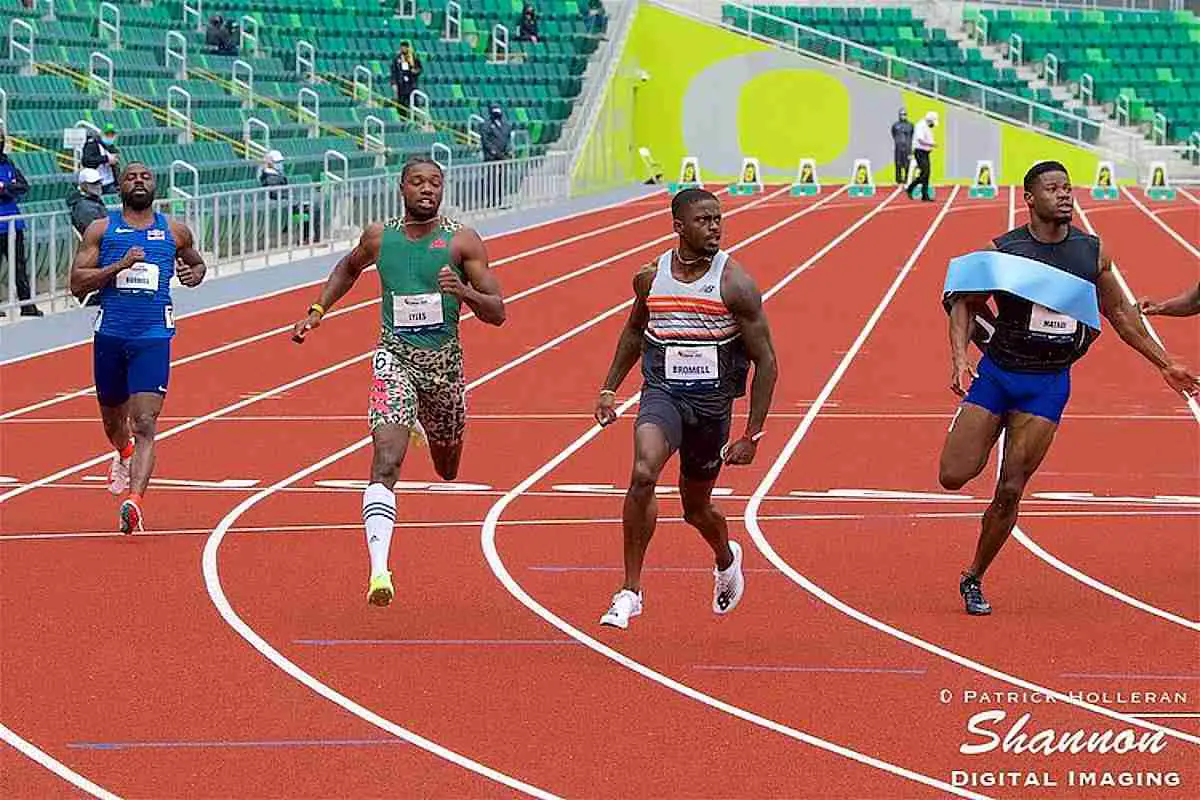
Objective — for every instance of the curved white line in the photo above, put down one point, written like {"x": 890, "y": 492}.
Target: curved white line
{"x": 488, "y": 543}
{"x": 789, "y": 449}
{"x": 212, "y": 578}
{"x": 60, "y": 769}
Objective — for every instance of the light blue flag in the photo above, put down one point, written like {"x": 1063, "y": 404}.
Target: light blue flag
{"x": 1056, "y": 289}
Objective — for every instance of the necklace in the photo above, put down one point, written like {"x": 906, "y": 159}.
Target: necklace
{"x": 686, "y": 263}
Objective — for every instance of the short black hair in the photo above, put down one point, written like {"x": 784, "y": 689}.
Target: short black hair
{"x": 419, "y": 161}
{"x": 1041, "y": 168}
{"x": 130, "y": 165}
{"x": 688, "y": 198}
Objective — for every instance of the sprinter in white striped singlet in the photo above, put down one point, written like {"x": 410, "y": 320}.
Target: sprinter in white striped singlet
{"x": 697, "y": 324}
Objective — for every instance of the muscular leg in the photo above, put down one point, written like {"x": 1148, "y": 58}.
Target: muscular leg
{"x": 968, "y": 444}
{"x": 116, "y": 424}
{"x": 1027, "y": 439}
{"x": 701, "y": 514}
{"x": 446, "y": 458}
{"x": 143, "y": 409}
{"x": 391, "y": 444}
{"x": 640, "y": 513}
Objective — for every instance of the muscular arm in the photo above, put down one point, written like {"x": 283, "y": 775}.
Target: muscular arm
{"x": 482, "y": 290}
{"x": 745, "y": 302}
{"x": 1183, "y": 305}
{"x": 1127, "y": 321}
{"x": 629, "y": 345}
{"x": 86, "y": 273}
{"x": 194, "y": 269}
{"x": 351, "y": 265}
{"x": 962, "y": 321}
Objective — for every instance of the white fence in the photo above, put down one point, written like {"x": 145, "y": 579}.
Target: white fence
{"x": 250, "y": 229}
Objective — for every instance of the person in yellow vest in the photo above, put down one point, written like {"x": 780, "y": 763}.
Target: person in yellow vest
{"x": 429, "y": 266}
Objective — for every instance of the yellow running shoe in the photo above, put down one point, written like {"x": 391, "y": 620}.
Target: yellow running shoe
{"x": 380, "y": 592}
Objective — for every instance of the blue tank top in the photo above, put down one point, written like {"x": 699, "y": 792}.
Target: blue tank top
{"x": 137, "y": 303}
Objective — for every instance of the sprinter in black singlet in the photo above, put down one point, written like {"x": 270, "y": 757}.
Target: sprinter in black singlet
{"x": 1023, "y": 381}
{"x": 697, "y": 323}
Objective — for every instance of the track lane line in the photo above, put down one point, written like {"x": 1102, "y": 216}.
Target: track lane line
{"x": 54, "y": 765}
{"x": 764, "y": 546}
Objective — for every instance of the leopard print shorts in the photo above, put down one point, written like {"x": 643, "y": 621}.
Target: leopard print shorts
{"x": 411, "y": 384}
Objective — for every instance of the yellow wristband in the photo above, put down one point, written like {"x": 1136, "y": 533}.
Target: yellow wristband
{"x": 317, "y": 307}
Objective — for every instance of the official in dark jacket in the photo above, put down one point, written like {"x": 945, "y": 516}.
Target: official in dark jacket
{"x": 13, "y": 187}
{"x": 902, "y": 140}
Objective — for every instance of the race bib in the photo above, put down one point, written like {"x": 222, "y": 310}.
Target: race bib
{"x": 169, "y": 317}
{"x": 416, "y": 312}
{"x": 141, "y": 277}
{"x": 1043, "y": 320}
{"x": 691, "y": 365}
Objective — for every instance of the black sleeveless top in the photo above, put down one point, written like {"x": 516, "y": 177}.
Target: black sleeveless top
{"x": 1030, "y": 337}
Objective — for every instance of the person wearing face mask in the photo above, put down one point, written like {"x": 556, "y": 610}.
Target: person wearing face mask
{"x": 923, "y": 145}
{"x": 100, "y": 153}
{"x": 13, "y": 187}
{"x": 85, "y": 204}
{"x": 496, "y": 141}
{"x": 902, "y": 139}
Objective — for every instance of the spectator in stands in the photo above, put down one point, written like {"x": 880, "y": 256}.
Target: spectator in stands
{"x": 496, "y": 136}
{"x": 100, "y": 153}
{"x": 13, "y": 187}
{"x": 85, "y": 203}
{"x": 923, "y": 145}
{"x": 528, "y": 31}
{"x": 219, "y": 36}
{"x": 406, "y": 68}
{"x": 902, "y": 137}
{"x": 271, "y": 172}
{"x": 595, "y": 18}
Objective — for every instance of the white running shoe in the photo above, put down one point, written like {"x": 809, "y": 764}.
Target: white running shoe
{"x": 728, "y": 584}
{"x": 625, "y": 606}
{"x": 118, "y": 475}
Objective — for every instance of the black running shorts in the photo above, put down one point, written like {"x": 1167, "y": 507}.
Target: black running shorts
{"x": 698, "y": 437}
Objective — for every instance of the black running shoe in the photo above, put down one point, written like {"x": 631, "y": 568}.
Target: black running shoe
{"x": 972, "y": 593}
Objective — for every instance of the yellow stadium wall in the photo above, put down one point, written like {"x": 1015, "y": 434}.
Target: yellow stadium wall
{"x": 687, "y": 88}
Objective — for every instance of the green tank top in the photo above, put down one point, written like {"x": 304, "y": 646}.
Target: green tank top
{"x": 414, "y": 309}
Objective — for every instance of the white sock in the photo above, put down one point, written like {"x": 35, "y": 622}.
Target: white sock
{"x": 379, "y": 516}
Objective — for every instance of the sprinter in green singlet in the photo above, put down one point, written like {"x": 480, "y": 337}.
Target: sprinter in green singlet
{"x": 429, "y": 265}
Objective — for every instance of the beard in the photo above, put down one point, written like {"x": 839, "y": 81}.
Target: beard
{"x": 419, "y": 214}
{"x": 138, "y": 201}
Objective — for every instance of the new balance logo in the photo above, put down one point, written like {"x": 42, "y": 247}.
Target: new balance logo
{"x": 124, "y": 230}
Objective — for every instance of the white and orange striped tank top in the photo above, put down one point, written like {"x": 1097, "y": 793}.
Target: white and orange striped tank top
{"x": 692, "y": 340}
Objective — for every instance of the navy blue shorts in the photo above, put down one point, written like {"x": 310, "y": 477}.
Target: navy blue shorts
{"x": 698, "y": 437}
{"x": 124, "y": 367}
{"x": 1043, "y": 394}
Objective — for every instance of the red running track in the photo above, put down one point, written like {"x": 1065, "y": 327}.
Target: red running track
{"x": 117, "y": 664}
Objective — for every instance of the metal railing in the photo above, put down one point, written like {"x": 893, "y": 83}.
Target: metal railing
{"x": 254, "y": 148}
{"x": 452, "y": 32}
{"x": 406, "y": 9}
{"x": 15, "y": 47}
{"x": 248, "y": 32}
{"x": 1050, "y": 69}
{"x": 306, "y": 60}
{"x": 108, "y": 83}
{"x": 1193, "y": 148}
{"x": 192, "y": 10}
{"x": 1087, "y": 89}
{"x": 499, "y": 44}
{"x": 995, "y": 103}
{"x": 364, "y": 87}
{"x": 176, "y": 55}
{"x": 181, "y": 118}
{"x": 109, "y": 28}
{"x": 252, "y": 228}
{"x": 1158, "y": 129}
{"x": 1016, "y": 50}
{"x": 1091, "y": 5}
{"x": 312, "y": 113}
{"x": 244, "y": 86}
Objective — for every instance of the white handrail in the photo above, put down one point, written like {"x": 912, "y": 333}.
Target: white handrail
{"x": 1050, "y": 68}
{"x": 247, "y": 83}
{"x": 1158, "y": 129}
{"x": 360, "y": 69}
{"x": 1016, "y": 49}
{"x": 246, "y": 36}
{"x": 114, "y": 26}
{"x": 173, "y": 113}
{"x": 1193, "y": 147}
{"x": 406, "y": 9}
{"x": 519, "y": 135}
{"x": 980, "y": 33}
{"x": 17, "y": 47}
{"x": 49, "y": 4}
{"x": 373, "y": 134}
{"x": 107, "y": 103}
{"x": 418, "y": 104}
{"x": 499, "y": 44}
{"x": 345, "y": 176}
{"x": 192, "y": 9}
{"x": 1087, "y": 89}
{"x": 248, "y": 128}
{"x": 306, "y": 60}
{"x": 447, "y": 155}
{"x": 475, "y": 136}
{"x": 3, "y": 109}
{"x": 452, "y": 31}
{"x": 175, "y": 190}
{"x": 177, "y": 54}
{"x": 1123, "y": 109}
{"x": 314, "y": 112}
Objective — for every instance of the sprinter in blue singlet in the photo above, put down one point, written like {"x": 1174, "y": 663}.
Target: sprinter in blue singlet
{"x": 129, "y": 257}
{"x": 1023, "y": 381}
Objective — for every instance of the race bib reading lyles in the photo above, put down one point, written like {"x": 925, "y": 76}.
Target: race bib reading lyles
{"x": 141, "y": 277}
{"x": 692, "y": 365}
{"x": 417, "y": 312}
